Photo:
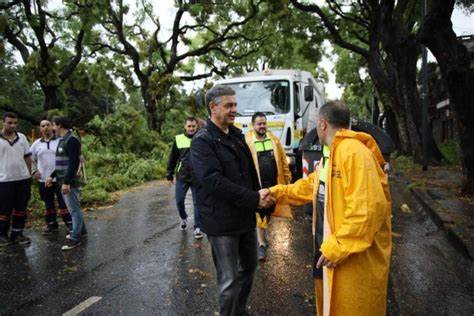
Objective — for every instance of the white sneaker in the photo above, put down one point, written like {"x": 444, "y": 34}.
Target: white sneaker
{"x": 197, "y": 233}
{"x": 183, "y": 224}
{"x": 68, "y": 236}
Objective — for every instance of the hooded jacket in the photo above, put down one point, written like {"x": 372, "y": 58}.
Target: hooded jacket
{"x": 357, "y": 225}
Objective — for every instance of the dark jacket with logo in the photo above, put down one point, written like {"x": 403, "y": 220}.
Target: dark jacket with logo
{"x": 226, "y": 181}
{"x": 178, "y": 161}
{"x": 68, "y": 160}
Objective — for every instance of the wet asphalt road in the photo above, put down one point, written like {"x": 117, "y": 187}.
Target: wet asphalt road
{"x": 139, "y": 263}
{"x": 430, "y": 276}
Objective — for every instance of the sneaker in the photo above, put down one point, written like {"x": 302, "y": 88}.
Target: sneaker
{"x": 50, "y": 229}
{"x": 4, "y": 241}
{"x": 262, "y": 251}
{"x": 197, "y": 233}
{"x": 20, "y": 239}
{"x": 183, "y": 224}
{"x": 70, "y": 244}
{"x": 68, "y": 236}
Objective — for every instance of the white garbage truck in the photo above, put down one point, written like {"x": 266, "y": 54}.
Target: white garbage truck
{"x": 289, "y": 98}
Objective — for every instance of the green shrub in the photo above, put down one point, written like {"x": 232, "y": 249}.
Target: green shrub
{"x": 450, "y": 151}
{"x": 120, "y": 152}
{"x": 94, "y": 192}
{"x": 403, "y": 164}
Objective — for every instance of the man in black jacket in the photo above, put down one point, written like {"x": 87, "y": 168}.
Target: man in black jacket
{"x": 179, "y": 163}
{"x": 227, "y": 197}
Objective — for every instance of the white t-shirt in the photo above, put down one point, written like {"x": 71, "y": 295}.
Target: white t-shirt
{"x": 43, "y": 154}
{"x": 12, "y": 158}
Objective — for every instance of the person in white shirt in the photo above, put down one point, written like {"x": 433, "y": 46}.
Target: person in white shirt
{"x": 43, "y": 153}
{"x": 15, "y": 174}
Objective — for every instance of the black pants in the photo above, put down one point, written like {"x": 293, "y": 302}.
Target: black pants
{"x": 14, "y": 198}
{"x": 49, "y": 195}
{"x": 235, "y": 259}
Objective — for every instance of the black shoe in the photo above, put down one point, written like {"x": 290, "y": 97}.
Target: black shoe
{"x": 4, "y": 241}
{"x": 70, "y": 244}
{"x": 20, "y": 239}
{"x": 50, "y": 229}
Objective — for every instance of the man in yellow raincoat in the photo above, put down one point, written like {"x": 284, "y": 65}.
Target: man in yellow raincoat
{"x": 272, "y": 168}
{"x": 356, "y": 245}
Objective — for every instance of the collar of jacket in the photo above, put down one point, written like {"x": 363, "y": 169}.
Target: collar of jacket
{"x": 213, "y": 128}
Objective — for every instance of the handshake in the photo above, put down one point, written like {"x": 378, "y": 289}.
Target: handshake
{"x": 266, "y": 199}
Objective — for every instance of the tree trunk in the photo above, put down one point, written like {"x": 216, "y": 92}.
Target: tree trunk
{"x": 396, "y": 82}
{"x": 454, "y": 61}
{"x": 150, "y": 106}
{"x": 51, "y": 100}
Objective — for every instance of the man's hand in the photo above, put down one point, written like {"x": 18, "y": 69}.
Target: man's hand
{"x": 37, "y": 175}
{"x": 266, "y": 200}
{"x": 323, "y": 261}
{"x": 387, "y": 168}
{"x": 66, "y": 188}
{"x": 170, "y": 179}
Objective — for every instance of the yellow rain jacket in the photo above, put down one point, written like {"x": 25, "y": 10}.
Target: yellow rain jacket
{"x": 284, "y": 174}
{"x": 357, "y": 224}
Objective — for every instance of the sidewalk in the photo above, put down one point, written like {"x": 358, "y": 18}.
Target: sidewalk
{"x": 437, "y": 191}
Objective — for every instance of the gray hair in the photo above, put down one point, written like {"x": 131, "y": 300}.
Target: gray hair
{"x": 215, "y": 93}
{"x": 336, "y": 113}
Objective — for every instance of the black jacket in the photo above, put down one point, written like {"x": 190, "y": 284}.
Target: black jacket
{"x": 226, "y": 181}
{"x": 179, "y": 157}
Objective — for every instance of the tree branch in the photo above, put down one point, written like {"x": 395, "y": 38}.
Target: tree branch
{"x": 15, "y": 42}
{"x": 331, "y": 28}
{"x": 174, "y": 37}
{"x": 131, "y": 51}
{"x": 214, "y": 70}
{"x": 8, "y": 5}
{"x": 219, "y": 39}
{"x": 38, "y": 28}
{"x": 336, "y": 8}
{"x": 66, "y": 73}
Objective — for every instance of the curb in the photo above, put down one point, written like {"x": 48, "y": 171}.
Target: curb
{"x": 453, "y": 235}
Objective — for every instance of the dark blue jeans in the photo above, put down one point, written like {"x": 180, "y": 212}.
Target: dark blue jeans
{"x": 182, "y": 188}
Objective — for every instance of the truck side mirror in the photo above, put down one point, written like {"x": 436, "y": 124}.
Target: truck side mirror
{"x": 308, "y": 93}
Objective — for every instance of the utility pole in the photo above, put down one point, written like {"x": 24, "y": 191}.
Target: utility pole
{"x": 424, "y": 93}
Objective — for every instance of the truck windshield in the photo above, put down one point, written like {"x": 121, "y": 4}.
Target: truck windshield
{"x": 269, "y": 97}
